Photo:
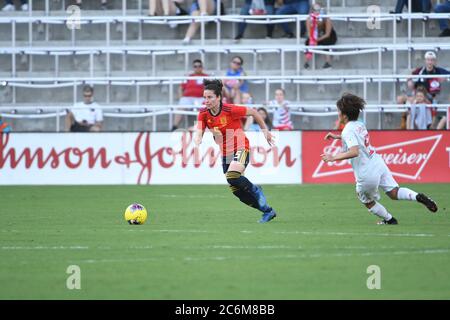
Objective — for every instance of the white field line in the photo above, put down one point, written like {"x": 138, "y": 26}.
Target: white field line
{"x": 181, "y": 231}
{"x": 277, "y": 257}
{"x": 192, "y": 196}
{"x": 214, "y": 247}
{"x": 266, "y": 247}
{"x": 170, "y": 231}
{"x": 357, "y": 234}
{"x": 44, "y": 248}
{"x": 318, "y": 233}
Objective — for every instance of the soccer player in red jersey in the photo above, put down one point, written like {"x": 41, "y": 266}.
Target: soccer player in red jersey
{"x": 223, "y": 120}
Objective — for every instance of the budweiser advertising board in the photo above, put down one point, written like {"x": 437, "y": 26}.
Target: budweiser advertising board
{"x": 138, "y": 158}
{"x": 412, "y": 156}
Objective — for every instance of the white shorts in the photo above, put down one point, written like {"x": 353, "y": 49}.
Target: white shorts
{"x": 191, "y": 101}
{"x": 367, "y": 188}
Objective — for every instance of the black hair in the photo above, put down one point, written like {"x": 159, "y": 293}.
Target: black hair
{"x": 88, "y": 88}
{"x": 240, "y": 58}
{"x": 267, "y": 119}
{"x": 351, "y": 105}
{"x": 214, "y": 85}
{"x": 197, "y": 60}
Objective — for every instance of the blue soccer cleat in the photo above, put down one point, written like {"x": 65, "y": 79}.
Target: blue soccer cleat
{"x": 262, "y": 202}
{"x": 266, "y": 217}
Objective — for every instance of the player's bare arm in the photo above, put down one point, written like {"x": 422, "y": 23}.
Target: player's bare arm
{"x": 260, "y": 121}
{"x": 198, "y": 136}
{"x": 331, "y": 135}
{"x": 352, "y": 152}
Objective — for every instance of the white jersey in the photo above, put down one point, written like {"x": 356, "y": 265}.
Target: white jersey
{"x": 91, "y": 113}
{"x": 355, "y": 134}
{"x": 281, "y": 115}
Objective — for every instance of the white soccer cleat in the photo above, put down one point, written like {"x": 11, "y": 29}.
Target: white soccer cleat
{"x": 9, "y": 7}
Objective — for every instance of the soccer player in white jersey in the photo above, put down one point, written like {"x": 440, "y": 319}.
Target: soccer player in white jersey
{"x": 369, "y": 168}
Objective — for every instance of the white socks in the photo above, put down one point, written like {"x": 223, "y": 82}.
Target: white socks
{"x": 380, "y": 211}
{"x": 406, "y": 194}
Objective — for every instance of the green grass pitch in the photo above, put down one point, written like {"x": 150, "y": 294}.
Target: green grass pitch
{"x": 201, "y": 243}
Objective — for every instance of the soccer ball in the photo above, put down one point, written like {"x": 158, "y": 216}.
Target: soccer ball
{"x": 136, "y": 214}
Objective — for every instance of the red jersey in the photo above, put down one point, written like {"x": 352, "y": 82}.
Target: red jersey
{"x": 226, "y": 127}
{"x": 194, "y": 88}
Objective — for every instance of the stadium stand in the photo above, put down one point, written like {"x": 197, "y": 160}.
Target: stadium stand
{"x": 136, "y": 62}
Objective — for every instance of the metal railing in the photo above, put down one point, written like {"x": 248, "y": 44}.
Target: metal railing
{"x": 143, "y": 111}
{"x": 217, "y": 19}
{"x": 255, "y": 50}
{"x": 171, "y": 81}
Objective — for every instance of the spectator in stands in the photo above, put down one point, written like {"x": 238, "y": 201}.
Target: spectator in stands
{"x": 293, "y": 7}
{"x": 408, "y": 94}
{"x": 282, "y": 114}
{"x": 233, "y": 87}
{"x": 432, "y": 86}
{"x": 320, "y": 32}
{"x": 443, "y": 23}
{"x": 201, "y": 8}
{"x": 420, "y": 117}
{"x": 104, "y": 4}
{"x": 247, "y": 10}
{"x": 86, "y": 116}
{"x": 416, "y": 6}
{"x": 407, "y": 97}
{"x": 250, "y": 124}
{"x": 166, "y": 8}
{"x": 4, "y": 127}
{"x": 9, "y": 6}
{"x": 444, "y": 122}
{"x": 191, "y": 91}
{"x": 247, "y": 98}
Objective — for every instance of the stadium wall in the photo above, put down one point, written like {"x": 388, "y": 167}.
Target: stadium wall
{"x": 138, "y": 158}
{"x": 171, "y": 158}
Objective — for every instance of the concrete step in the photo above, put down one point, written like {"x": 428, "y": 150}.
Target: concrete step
{"x": 388, "y": 121}
{"x": 154, "y": 31}
{"x": 77, "y": 74}
{"x": 158, "y": 95}
{"x": 175, "y": 44}
{"x": 114, "y": 6}
{"x": 176, "y": 64}
{"x": 112, "y": 124}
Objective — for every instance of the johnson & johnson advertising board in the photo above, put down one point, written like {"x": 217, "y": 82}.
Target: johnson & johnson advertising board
{"x": 138, "y": 158}
{"x": 412, "y": 156}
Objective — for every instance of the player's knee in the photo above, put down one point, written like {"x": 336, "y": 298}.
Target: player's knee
{"x": 393, "y": 194}
{"x": 232, "y": 178}
{"x": 369, "y": 205}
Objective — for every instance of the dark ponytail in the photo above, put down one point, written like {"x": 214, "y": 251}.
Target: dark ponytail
{"x": 214, "y": 85}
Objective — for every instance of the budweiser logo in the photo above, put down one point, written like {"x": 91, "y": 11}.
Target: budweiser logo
{"x": 405, "y": 159}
